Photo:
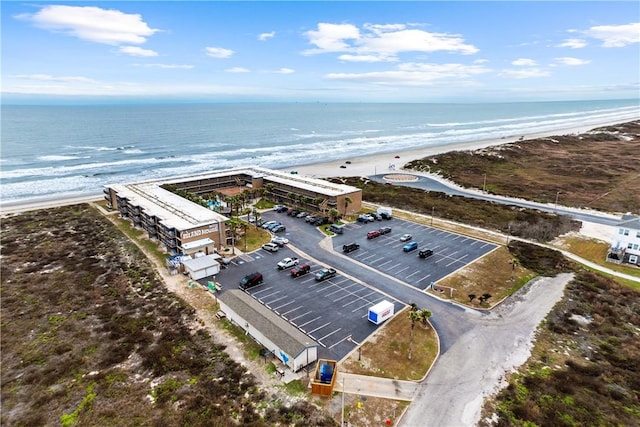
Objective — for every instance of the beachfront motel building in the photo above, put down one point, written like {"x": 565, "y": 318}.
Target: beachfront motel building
{"x": 625, "y": 242}
{"x": 185, "y": 227}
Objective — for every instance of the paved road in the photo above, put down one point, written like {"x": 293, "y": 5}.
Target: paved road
{"x": 473, "y": 367}
{"x": 429, "y": 183}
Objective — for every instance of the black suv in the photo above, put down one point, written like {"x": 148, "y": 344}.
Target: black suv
{"x": 350, "y": 247}
{"x": 425, "y": 253}
{"x": 385, "y": 230}
{"x": 250, "y": 280}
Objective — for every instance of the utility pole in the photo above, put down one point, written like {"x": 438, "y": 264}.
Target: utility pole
{"x": 555, "y": 208}
{"x": 342, "y": 417}
{"x": 484, "y": 184}
{"x": 433, "y": 208}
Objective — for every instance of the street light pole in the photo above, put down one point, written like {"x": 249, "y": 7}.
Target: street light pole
{"x": 433, "y": 208}
{"x": 342, "y": 417}
{"x": 484, "y": 184}
{"x": 555, "y": 208}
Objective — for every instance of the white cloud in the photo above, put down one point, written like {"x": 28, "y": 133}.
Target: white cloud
{"x": 567, "y": 60}
{"x": 92, "y": 24}
{"x": 137, "y": 51}
{"x": 573, "y": 43}
{"x": 50, "y": 78}
{"x": 524, "y": 62}
{"x": 365, "y": 58}
{"x": 285, "y": 71}
{"x": 527, "y": 73}
{"x": 237, "y": 70}
{"x": 167, "y": 66}
{"x": 378, "y": 43}
{"x": 266, "y": 36}
{"x": 218, "y": 52}
{"x": 415, "y": 74}
{"x": 616, "y": 35}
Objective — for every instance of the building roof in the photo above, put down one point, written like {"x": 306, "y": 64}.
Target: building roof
{"x": 283, "y": 334}
{"x": 319, "y": 186}
{"x": 174, "y": 211}
{"x": 197, "y": 244}
{"x": 202, "y": 262}
{"x": 630, "y": 221}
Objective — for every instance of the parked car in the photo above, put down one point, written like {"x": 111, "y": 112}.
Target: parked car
{"x": 350, "y": 247}
{"x": 377, "y": 216}
{"x": 385, "y": 230}
{"x": 278, "y": 229}
{"x": 335, "y": 228}
{"x": 363, "y": 219}
{"x": 406, "y": 237}
{"x": 411, "y": 246}
{"x": 302, "y": 214}
{"x": 325, "y": 273}
{"x": 309, "y": 218}
{"x": 425, "y": 253}
{"x": 271, "y": 247}
{"x": 278, "y": 207}
{"x": 293, "y": 212}
{"x": 373, "y": 234}
{"x": 282, "y": 209}
{"x": 280, "y": 241}
{"x": 268, "y": 224}
{"x": 385, "y": 215}
{"x": 251, "y": 280}
{"x": 300, "y": 270}
{"x": 321, "y": 221}
{"x": 272, "y": 226}
{"x": 288, "y": 263}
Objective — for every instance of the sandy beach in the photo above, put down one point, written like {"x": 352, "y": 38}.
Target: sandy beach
{"x": 365, "y": 165}
{"x": 393, "y": 161}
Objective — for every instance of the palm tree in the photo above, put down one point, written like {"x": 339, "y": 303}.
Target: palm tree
{"x": 269, "y": 189}
{"x": 256, "y": 216}
{"x": 333, "y": 214}
{"x": 233, "y": 224}
{"x": 347, "y": 202}
{"x": 414, "y": 316}
{"x": 425, "y": 314}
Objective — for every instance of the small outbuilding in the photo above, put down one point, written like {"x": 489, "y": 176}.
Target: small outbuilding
{"x": 201, "y": 267}
{"x": 295, "y": 349}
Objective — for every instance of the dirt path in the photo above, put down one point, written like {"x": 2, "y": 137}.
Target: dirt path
{"x": 475, "y": 366}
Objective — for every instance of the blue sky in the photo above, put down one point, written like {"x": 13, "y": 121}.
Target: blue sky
{"x": 419, "y": 51}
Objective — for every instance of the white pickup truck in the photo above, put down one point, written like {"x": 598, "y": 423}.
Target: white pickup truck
{"x": 288, "y": 263}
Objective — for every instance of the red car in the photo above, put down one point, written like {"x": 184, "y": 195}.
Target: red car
{"x": 373, "y": 234}
{"x": 300, "y": 270}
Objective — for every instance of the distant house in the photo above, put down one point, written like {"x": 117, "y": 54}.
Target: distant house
{"x": 625, "y": 243}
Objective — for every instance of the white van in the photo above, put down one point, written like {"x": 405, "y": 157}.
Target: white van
{"x": 338, "y": 229}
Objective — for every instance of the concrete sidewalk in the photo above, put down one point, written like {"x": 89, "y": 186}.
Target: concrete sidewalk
{"x": 376, "y": 386}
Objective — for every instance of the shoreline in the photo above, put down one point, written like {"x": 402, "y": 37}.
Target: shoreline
{"x": 365, "y": 165}
{"x": 379, "y": 163}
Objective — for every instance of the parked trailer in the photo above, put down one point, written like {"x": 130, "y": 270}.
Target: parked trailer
{"x": 381, "y": 312}
{"x": 386, "y": 213}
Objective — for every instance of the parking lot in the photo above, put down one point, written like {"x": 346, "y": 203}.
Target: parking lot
{"x": 385, "y": 253}
{"x": 332, "y": 312}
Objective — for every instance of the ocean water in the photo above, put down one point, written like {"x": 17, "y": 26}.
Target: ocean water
{"x": 76, "y": 150}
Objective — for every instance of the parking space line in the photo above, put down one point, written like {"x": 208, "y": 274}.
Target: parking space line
{"x": 278, "y": 299}
{"x": 302, "y": 315}
{"x": 457, "y": 260}
{"x": 398, "y": 272}
{"x": 284, "y": 305}
{"x": 293, "y": 309}
{"x": 320, "y": 327}
{"x": 311, "y": 321}
{"x": 263, "y": 289}
{"x": 412, "y": 274}
{"x": 385, "y": 263}
{"x": 424, "y": 278}
{"x": 340, "y": 289}
{"x": 377, "y": 259}
{"x": 366, "y": 258}
{"x": 329, "y": 334}
{"x": 368, "y": 303}
{"x": 363, "y": 297}
{"x": 393, "y": 266}
{"x": 346, "y": 338}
